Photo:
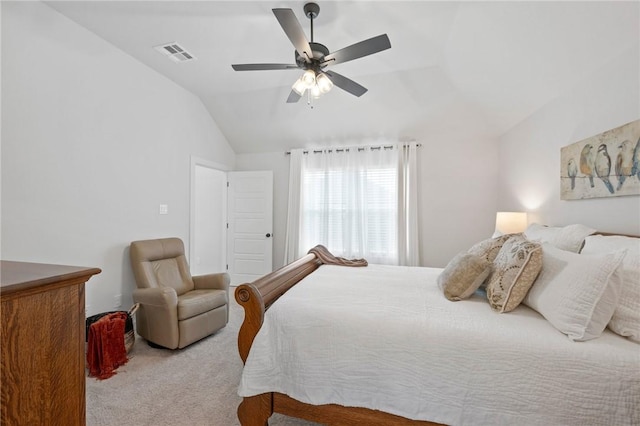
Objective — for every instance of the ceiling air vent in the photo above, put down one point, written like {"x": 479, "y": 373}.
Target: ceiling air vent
{"x": 175, "y": 52}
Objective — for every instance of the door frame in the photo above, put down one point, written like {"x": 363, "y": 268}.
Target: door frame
{"x": 197, "y": 161}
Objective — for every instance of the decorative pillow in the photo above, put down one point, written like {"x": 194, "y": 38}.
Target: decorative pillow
{"x": 577, "y": 293}
{"x": 515, "y": 268}
{"x": 570, "y": 237}
{"x": 488, "y": 249}
{"x": 626, "y": 317}
{"x": 463, "y": 275}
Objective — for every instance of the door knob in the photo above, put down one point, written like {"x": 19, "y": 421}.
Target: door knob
{"x": 268, "y": 235}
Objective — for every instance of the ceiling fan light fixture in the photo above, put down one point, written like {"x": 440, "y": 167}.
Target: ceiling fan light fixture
{"x": 312, "y": 57}
{"x": 324, "y": 83}
{"x": 299, "y": 86}
{"x": 309, "y": 78}
{"x": 316, "y": 92}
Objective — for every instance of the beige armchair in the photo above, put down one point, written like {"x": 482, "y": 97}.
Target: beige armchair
{"x": 176, "y": 309}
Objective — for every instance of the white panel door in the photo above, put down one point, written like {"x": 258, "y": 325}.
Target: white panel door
{"x": 250, "y": 218}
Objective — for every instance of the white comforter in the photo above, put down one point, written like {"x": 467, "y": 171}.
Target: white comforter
{"x": 384, "y": 337}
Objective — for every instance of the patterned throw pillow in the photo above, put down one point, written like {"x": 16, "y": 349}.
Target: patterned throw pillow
{"x": 488, "y": 249}
{"x": 515, "y": 269}
{"x": 463, "y": 276}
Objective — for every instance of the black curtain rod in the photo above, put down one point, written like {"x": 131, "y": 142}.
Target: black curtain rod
{"x": 318, "y": 151}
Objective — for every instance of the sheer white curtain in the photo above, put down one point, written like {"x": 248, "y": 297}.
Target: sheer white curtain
{"x": 349, "y": 202}
{"x": 292, "y": 238}
{"x": 408, "y": 242}
{"x": 353, "y": 201}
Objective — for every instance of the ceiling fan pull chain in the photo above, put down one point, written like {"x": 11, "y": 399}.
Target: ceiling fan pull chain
{"x": 309, "y": 99}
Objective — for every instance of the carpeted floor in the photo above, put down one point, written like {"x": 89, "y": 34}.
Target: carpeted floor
{"x": 195, "y": 386}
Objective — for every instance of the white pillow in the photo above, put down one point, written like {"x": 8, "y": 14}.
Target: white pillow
{"x": 568, "y": 238}
{"x": 577, "y": 293}
{"x": 626, "y": 318}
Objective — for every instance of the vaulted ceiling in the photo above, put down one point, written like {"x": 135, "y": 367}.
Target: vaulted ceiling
{"x": 481, "y": 66}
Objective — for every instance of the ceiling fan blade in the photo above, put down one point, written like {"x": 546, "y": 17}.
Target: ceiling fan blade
{"x": 346, "y": 83}
{"x": 293, "y": 30}
{"x": 261, "y": 67}
{"x": 358, "y": 50}
{"x": 293, "y": 97}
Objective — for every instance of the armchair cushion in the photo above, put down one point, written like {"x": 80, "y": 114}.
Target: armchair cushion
{"x": 169, "y": 273}
{"x": 161, "y": 263}
{"x": 197, "y": 302}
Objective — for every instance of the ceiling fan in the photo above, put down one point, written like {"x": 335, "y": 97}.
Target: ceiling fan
{"x": 314, "y": 57}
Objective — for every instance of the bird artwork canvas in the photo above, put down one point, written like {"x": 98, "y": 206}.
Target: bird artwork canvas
{"x": 604, "y": 165}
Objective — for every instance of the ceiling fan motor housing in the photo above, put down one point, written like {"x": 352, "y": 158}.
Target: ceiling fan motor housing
{"x": 319, "y": 52}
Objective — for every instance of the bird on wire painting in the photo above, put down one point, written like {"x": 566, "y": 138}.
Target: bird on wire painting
{"x": 604, "y": 165}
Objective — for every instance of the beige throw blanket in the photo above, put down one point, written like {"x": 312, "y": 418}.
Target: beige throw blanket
{"x": 327, "y": 258}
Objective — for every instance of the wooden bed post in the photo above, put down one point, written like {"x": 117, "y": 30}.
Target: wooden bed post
{"x": 256, "y": 410}
{"x": 256, "y": 298}
{"x": 251, "y": 300}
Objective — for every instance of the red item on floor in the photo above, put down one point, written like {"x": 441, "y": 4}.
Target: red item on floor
{"x": 106, "y": 351}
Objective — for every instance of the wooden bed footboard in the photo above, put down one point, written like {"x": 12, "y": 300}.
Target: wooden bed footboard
{"x": 256, "y": 298}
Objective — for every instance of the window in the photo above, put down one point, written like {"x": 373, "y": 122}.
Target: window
{"x": 357, "y": 202}
{"x": 349, "y": 203}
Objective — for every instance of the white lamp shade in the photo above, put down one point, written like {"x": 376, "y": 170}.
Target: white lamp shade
{"x": 324, "y": 83}
{"x": 309, "y": 78}
{"x": 315, "y": 91}
{"x": 511, "y": 222}
{"x": 299, "y": 86}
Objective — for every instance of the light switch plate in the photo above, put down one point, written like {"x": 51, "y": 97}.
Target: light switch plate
{"x": 164, "y": 209}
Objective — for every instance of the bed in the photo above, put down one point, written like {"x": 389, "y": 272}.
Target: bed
{"x": 339, "y": 345}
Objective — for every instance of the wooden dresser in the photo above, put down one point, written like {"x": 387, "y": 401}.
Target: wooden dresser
{"x": 42, "y": 343}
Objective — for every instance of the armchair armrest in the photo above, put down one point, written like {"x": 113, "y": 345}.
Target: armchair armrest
{"x": 219, "y": 281}
{"x": 157, "y": 318}
{"x": 159, "y": 297}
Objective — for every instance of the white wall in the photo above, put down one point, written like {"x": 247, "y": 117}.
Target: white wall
{"x": 530, "y": 152}
{"x": 208, "y": 234}
{"x": 92, "y": 142}
{"x": 457, "y": 194}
